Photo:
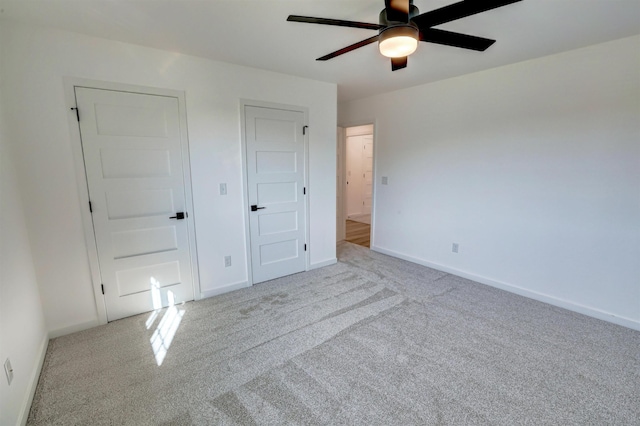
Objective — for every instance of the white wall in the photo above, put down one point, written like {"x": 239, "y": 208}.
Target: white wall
{"x": 38, "y": 118}
{"x": 23, "y": 335}
{"x": 533, "y": 169}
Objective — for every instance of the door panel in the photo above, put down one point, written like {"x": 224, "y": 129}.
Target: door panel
{"x": 132, "y": 148}
{"x": 275, "y": 182}
{"x": 277, "y": 193}
{"x": 354, "y": 176}
{"x": 367, "y": 172}
{"x": 274, "y": 223}
{"x": 142, "y": 203}
{"x": 134, "y": 163}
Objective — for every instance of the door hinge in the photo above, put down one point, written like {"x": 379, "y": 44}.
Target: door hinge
{"x": 305, "y": 247}
{"x": 304, "y": 191}
{"x": 90, "y": 207}
{"x": 77, "y": 113}
{"x": 304, "y": 129}
{"x": 102, "y": 287}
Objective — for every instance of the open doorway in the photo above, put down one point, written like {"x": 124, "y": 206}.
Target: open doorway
{"x": 355, "y": 171}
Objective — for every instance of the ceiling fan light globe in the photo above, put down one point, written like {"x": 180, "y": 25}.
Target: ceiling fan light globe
{"x": 398, "y": 47}
{"x": 398, "y": 41}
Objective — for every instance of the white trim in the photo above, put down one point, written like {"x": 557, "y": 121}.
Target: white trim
{"x": 322, "y": 264}
{"x": 341, "y": 232}
{"x": 374, "y": 173}
{"x": 33, "y": 382}
{"x": 243, "y": 143}
{"x": 70, "y": 83}
{"x": 571, "y": 306}
{"x": 188, "y": 195}
{"x": 362, "y": 130}
{"x": 307, "y": 232}
{"x": 225, "y": 289}
{"x": 355, "y": 217}
{"x": 374, "y": 190}
{"x": 83, "y": 193}
{"x": 245, "y": 190}
{"x": 73, "y": 328}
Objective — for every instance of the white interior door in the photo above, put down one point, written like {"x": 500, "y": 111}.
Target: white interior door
{"x": 367, "y": 173}
{"x": 132, "y": 149}
{"x": 275, "y": 148}
{"x": 354, "y": 176}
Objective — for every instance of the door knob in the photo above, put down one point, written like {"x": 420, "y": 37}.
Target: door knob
{"x": 178, "y": 216}
{"x": 255, "y": 208}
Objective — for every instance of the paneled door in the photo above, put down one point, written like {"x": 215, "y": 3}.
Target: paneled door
{"x": 367, "y": 173}
{"x": 132, "y": 147}
{"x": 275, "y": 149}
{"x": 359, "y": 175}
{"x": 355, "y": 176}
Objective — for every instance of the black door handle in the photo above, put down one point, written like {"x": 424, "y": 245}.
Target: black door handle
{"x": 255, "y": 208}
{"x": 178, "y": 216}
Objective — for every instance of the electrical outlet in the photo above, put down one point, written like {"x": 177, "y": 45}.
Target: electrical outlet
{"x": 223, "y": 189}
{"x": 454, "y": 247}
{"x": 8, "y": 369}
{"x": 227, "y": 261}
{"x": 385, "y": 180}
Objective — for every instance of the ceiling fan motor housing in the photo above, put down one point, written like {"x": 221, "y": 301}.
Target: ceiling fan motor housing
{"x": 386, "y": 22}
{"x": 398, "y": 38}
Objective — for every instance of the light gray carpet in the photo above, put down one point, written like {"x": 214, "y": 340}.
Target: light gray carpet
{"x": 372, "y": 340}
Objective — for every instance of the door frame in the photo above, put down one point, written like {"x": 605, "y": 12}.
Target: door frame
{"x": 341, "y": 232}
{"x": 245, "y": 184}
{"x": 344, "y": 127}
{"x": 70, "y": 83}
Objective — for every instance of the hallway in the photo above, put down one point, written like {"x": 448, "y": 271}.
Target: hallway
{"x": 358, "y": 233}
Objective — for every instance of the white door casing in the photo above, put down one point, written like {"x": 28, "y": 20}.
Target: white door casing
{"x": 133, "y": 152}
{"x": 340, "y": 182}
{"x": 275, "y": 167}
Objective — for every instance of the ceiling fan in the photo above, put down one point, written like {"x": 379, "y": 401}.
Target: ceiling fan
{"x": 402, "y": 26}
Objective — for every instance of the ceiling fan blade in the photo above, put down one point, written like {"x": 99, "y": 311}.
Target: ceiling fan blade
{"x": 336, "y": 22}
{"x": 349, "y": 48}
{"x": 397, "y": 10}
{"x": 448, "y": 38}
{"x": 398, "y": 63}
{"x": 456, "y": 11}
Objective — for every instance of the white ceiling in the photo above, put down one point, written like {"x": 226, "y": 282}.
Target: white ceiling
{"x": 255, "y": 33}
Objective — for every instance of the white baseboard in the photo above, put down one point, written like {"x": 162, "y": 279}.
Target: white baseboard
{"x": 73, "y": 328}
{"x": 33, "y": 382}
{"x": 572, "y": 306}
{"x": 322, "y": 264}
{"x": 224, "y": 289}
